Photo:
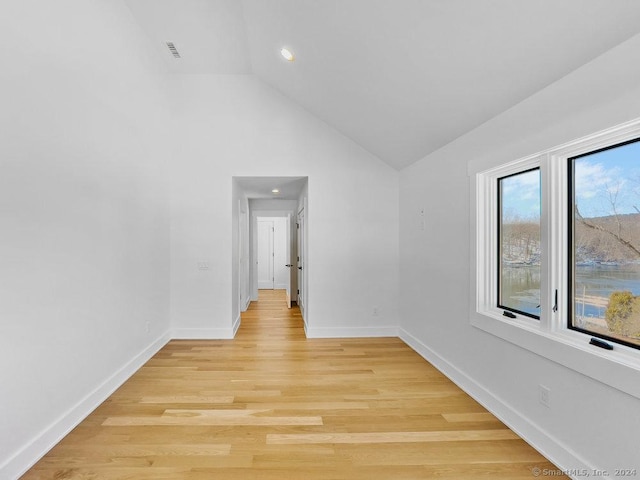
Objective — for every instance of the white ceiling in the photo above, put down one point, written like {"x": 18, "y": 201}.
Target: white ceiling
{"x": 209, "y": 34}
{"x": 400, "y": 77}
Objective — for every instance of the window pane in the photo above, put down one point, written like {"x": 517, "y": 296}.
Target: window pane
{"x": 519, "y": 243}
{"x": 605, "y": 243}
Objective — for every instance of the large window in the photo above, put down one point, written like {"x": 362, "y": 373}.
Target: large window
{"x": 557, "y": 254}
{"x": 604, "y": 243}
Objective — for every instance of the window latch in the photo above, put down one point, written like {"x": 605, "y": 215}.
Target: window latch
{"x": 555, "y": 301}
{"x": 601, "y": 344}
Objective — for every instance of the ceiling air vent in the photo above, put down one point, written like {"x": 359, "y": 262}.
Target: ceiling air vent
{"x": 173, "y": 50}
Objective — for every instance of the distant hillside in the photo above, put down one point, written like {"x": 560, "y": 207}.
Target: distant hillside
{"x": 601, "y": 245}
{"x": 521, "y": 243}
{"x": 595, "y": 240}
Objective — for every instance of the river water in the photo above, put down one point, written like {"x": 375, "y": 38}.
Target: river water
{"x": 520, "y": 286}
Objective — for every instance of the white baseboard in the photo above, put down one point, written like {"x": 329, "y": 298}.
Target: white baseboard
{"x": 26, "y": 457}
{"x": 558, "y": 453}
{"x": 235, "y": 326}
{"x": 203, "y": 333}
{"x": 350, "y": 332}
{"x": 246, "y": 305}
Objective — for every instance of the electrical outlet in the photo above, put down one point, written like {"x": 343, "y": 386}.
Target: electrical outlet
{"x": 544, "y": 394}
{"x": 376, "y": 311}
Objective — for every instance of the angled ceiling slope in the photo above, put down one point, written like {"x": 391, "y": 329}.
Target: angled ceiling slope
{"x": 401, "y": 78}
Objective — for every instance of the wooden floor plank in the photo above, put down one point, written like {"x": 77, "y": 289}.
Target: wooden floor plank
{"x": 272, "y": 404}
{"x": 391, "y": 437}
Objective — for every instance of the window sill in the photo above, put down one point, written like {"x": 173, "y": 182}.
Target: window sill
{"x": 616, "y": 368}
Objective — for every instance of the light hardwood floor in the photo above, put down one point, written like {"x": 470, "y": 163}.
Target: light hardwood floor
{"x": 271, "y": 404}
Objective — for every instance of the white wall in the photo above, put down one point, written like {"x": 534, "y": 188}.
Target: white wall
{"x": 236, "y": 126}
{"x": 84, "y": 224}
{"x": 588, "y": 424}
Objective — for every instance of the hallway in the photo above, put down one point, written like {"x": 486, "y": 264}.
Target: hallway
{"x": 271, "y": 404}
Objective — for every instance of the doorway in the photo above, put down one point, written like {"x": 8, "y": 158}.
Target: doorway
{"x": 272, "y": 205}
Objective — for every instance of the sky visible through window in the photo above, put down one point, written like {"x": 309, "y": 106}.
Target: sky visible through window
{"x": 602, "y": 179}
{"x": 609, "y": 179}
{"x": 521, "y": 197}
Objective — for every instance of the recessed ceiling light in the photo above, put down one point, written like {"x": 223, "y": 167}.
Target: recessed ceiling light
{"x": 275, "y": 190}
{"x": 287, "y": 54}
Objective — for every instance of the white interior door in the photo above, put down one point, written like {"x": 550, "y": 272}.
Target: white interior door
{"x": 265, "y": 254}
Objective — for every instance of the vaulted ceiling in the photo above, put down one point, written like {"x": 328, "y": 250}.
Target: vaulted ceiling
{"x": 401, "y": 78}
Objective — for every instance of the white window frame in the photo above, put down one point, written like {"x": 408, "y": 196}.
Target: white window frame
{"x": 549, "y": 337}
